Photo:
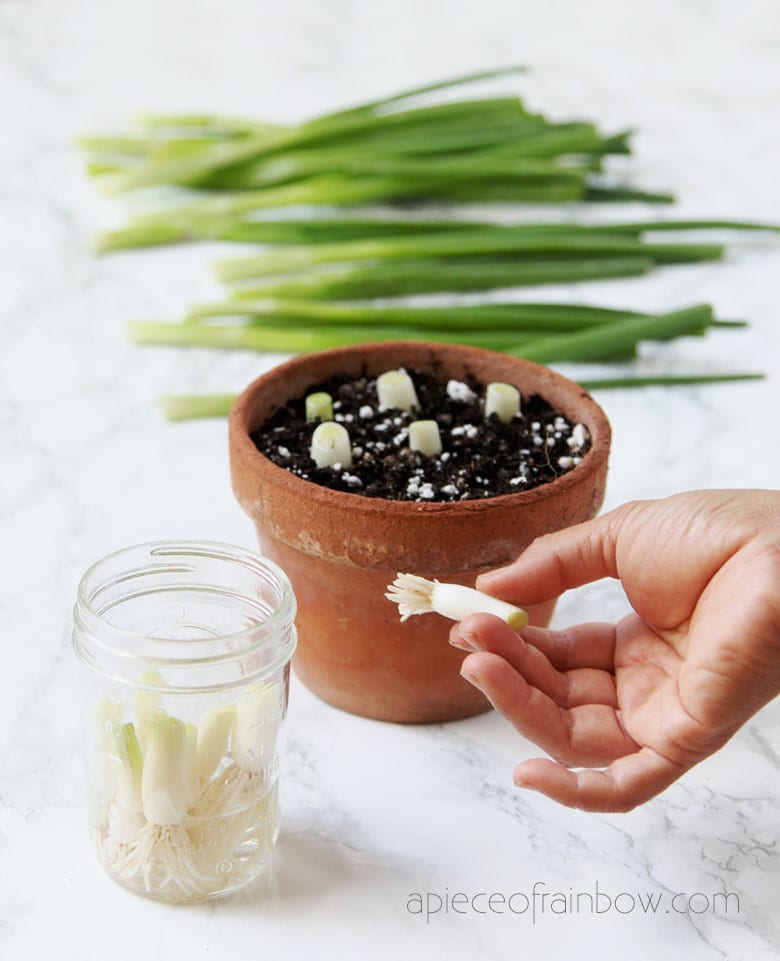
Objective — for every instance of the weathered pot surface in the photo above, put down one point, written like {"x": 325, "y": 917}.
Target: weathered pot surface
{"x": 341, "y": 550}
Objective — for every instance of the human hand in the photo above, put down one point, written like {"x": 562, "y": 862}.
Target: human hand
{"x": 649, "y": 697}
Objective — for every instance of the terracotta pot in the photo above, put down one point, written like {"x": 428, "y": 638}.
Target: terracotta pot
{"x": 341, "y": 550}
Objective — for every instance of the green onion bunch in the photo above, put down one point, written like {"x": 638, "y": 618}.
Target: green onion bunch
{"x": 490, "y": 149}
{"x": 315, "y": 282}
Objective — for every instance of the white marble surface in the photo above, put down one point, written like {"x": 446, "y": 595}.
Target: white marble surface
{"x": 372, "y": 812}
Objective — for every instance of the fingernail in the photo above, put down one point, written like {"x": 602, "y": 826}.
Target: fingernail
{"x": 471, "y": 678}
{"x": 465, "y": 641}
{"x": 484, "y": 579}
{"x": 521, "y": 782}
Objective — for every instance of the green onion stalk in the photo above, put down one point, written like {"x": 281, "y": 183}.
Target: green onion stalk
{"x": 213, "y": 223}
{"x": 593, "y": 342}
{"x": 455, "y": 275}
{"x": 518, "y": 243}
{"x": 177, "y": 407}
{"x": 536, "y": 317}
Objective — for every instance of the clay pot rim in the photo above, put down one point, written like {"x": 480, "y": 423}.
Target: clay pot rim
{"x": 240, "y": 439}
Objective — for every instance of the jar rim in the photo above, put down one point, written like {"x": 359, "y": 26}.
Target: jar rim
{"x": 279, "y": 618}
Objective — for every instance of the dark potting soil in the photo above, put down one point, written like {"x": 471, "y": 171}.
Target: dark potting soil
{"x": 479, "y": 458}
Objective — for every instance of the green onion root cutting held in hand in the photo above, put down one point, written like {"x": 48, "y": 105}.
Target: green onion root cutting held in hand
{"x": 418, "y": 595}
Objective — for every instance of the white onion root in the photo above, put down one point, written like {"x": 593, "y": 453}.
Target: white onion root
{"x": 418, "y": 595}
{"x": 196, "y": 858}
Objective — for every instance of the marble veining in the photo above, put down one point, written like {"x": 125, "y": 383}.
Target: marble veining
{"x": 373, "y": 814}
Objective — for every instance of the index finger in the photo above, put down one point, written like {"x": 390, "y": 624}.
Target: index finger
{"x": 557, "y": 562}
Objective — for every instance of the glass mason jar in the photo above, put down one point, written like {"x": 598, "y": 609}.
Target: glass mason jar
{"x": 184, "y": 649}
